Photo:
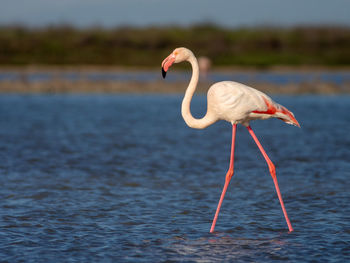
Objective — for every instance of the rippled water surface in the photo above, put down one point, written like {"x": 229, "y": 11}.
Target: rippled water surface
{"x": 92, "y": 178}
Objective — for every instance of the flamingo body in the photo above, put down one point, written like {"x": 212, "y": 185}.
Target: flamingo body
{"x": 233, "y": 102}
{"x": 237, "y": 103}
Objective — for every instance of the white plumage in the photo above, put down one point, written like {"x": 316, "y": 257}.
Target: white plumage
{"x": 227, "y": 100}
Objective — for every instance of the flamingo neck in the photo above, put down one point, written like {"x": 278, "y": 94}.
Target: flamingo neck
{"x": 192, "y": 122}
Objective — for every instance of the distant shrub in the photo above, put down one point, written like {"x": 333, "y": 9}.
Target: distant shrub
{"x": 128, "y": 46}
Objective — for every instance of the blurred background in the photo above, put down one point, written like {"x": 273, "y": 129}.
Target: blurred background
{"x": 97, "y": 164}
{"x": 101, "y": 45}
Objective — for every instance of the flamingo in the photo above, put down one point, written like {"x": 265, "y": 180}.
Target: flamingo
{"x": 233, "y": 102}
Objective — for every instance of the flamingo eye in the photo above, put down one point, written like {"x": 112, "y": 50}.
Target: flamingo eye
{"x": 175, "y": 53}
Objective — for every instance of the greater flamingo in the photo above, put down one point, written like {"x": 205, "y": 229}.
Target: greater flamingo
{"x": 235, "y": 103}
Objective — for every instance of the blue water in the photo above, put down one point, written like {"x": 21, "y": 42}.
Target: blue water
{"x": 101, "y": 178}
{"x": 282, "y": 78}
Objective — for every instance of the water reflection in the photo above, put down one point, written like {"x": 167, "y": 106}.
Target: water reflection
{"x": 223, "y": 247}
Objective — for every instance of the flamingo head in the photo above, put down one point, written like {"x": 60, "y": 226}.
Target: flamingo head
{"x": 178, "y": 55}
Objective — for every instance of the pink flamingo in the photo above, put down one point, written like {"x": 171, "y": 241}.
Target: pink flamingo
{"x": 235, "y": 103}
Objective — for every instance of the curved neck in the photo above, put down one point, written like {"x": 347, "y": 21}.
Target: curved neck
{"x": 192, "y": 122}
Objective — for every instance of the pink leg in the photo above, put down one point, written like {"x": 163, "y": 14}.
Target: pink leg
{"x": 229, "y": 175}
{"x": 273, "y": 174}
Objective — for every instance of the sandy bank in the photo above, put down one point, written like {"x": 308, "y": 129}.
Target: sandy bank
{"x": 60, "y": 86}
{"x": 59, "y": 83}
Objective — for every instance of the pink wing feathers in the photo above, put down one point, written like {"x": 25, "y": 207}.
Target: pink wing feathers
{"x": 278, "y": 111}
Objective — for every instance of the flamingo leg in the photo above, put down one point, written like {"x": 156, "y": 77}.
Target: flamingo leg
{"x": 229, "y": 175}
{"x": 273, "y": 174}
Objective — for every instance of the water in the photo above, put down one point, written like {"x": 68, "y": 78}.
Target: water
{"x": 92, "y": 178}
{"x": 281, "y": 78}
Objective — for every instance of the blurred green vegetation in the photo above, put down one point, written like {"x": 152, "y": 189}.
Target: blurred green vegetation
{"x": 146, "y": 47}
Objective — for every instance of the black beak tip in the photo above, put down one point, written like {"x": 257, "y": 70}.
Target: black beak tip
{"x": 163, "y": 73}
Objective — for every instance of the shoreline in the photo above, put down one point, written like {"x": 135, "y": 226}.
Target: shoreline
{"x": 59, "y": 86}
{"x": 57, "y": 81}
{"x": 33, "y": 68}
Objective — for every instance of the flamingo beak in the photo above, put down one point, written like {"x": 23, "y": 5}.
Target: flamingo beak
{"x": 166, "y": 64}
{"x": 163, "y": 73}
